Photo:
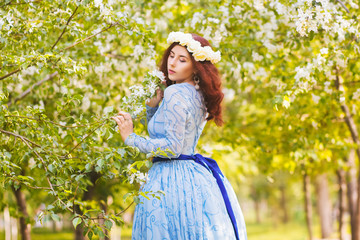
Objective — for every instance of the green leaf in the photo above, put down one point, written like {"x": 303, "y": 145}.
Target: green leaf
{"x": 76, "y": 221}
{"x": 55, "y": 217}
{"x": 108, "y": 224}
{"x": 90, "y": 234}
{"x": 144, "y": 195}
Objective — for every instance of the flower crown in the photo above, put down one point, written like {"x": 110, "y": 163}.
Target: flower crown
{"x": 200, "y": 53}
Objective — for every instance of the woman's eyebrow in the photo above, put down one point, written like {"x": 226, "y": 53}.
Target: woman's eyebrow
{"x": 180, "y": 55}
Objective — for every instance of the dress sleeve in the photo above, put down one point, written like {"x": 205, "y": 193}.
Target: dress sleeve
{"x": 150, "y": 111}
{"x": 175, "y": 116}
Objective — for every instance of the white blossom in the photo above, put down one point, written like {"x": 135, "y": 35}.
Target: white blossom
{"x": 324, "y": 51}
{"x": 315, "y": 98}
{"x": 302, "y": 72}
{"x": 159, "y": 74}
{"x": 356, "y": 95}
{"x": 256, "y": 56}
{"x": 138, "y": 51}
{"x": 229, "y": 94}
{"x": 98, "y": 3}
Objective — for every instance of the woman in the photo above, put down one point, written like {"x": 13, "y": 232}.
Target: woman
{"x": 199, "y": 202}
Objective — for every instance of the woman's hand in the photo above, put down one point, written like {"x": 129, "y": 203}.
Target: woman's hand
{"x": 125, "y": 124}
{"x": 153, "y": 102}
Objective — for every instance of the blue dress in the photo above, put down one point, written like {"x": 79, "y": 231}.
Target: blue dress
{"x": 193, "y": 206}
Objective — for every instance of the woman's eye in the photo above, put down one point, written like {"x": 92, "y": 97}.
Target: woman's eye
{"x": 182, "y": 61}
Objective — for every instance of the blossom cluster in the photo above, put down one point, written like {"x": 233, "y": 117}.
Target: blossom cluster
{"x": 136, "y": 176}
{"x": 139, "y": 93}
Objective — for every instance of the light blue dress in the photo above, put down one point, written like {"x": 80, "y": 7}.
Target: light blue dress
{"x": 193, "y": 206}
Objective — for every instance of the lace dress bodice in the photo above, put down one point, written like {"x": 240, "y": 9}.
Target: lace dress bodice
{"x": 176, "y": 124}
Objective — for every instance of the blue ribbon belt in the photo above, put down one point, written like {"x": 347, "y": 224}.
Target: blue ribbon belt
{"x": 212, "y": 166}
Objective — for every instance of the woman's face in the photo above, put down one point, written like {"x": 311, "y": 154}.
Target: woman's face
{"x": 179, "y": 64}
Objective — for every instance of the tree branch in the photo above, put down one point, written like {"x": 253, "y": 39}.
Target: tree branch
{"x": 65, "y": 156}
{"x": 343, "y": 5}
{"x": 91, "y": 36}
{"x": 9, "y": 3}
{"x": 67, "y": 23}
{"x": 76, "y": 43}
{"x": 19, "y": 136}
{"x": 9, "y": 74}
{"x": 26, "y": 141}
{"x": 24, "y": 94}
{"x": 49, "y": 121}
{"x": 6, "y": 4}
{"x": 117, "y": 56}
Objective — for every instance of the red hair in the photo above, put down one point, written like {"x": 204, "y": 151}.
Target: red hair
{"x": 210, "y": 81}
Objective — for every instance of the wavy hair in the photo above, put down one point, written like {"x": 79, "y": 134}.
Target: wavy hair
{"x": 210, "y": 81}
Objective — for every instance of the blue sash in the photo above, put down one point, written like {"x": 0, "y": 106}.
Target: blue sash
{"x": 212, "y": 166}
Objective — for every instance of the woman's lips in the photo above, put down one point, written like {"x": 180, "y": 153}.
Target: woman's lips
{"x": 171, "y": 71}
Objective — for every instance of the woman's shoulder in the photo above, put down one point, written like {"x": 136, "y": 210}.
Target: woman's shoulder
{"x": 180, "y": 88}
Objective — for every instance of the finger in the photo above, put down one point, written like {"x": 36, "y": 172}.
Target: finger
{"x": 116, "y": 120}
{"x": 126, "y": 115}
{"x": 122, "y": 113}
{"x": 122, "y": 119}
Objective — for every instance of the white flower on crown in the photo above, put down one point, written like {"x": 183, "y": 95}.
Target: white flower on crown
{"x": 200, "y": 53}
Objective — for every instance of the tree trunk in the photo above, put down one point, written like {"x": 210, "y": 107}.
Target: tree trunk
{"x": 21, "y": 202}
{"x": 257, "y": 210}
{"x": 355, "y": 137}
{"x": 88, "y": 195}
{"x": 342, "y": 203}
{"x": 7, "y": 224}
{"x": 352, "y": 191}
{"x": 324, "y": 205}
{"x": 308, "y": 208}
{"x": 285, "y": 217}
{"x": 102, "y": 221}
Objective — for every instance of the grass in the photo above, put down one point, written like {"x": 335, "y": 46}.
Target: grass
{"x": 294, "y": 230}
{"x": 269, "y": 231}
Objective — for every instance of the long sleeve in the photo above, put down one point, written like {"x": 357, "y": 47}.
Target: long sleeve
{"x": 150, "y": 111}
{"x": 175, "y": 116}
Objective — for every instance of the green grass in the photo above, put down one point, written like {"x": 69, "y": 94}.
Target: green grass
{"x": 45, "y": 234}
{"x": 294, "y": 230}
{"x": 269, "y": 231}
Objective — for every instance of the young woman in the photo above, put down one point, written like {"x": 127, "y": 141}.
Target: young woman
{"x": 199, "y": 201}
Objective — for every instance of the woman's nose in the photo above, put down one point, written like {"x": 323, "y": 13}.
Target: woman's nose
{"x": 172, "y": 62}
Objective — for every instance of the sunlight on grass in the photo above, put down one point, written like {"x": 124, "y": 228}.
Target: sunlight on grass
{"x": 294, "y": 230}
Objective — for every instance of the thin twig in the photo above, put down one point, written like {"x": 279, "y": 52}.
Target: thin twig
{"x": 35, "y": 187}
{"x": 91, "y": 36}
{"x": 19, "y": 136}
{"x": 67, "y": 23}
{"x": 117, "y": 214}
{"x": 343, "y": 5}
{"x": 9, "y": 74}
{"x": 9, "y": 4}
{"x": 47, "y": 78}
{"x": 117, "y": 56}
{"x": 6, "y": 4}
{"x": 100, "y": 125}
{"x": 49, "y": 121}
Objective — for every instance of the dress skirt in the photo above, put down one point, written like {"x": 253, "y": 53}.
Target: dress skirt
{"x": 192, "y": 207}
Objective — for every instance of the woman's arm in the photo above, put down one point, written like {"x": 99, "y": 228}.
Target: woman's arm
{"x": 175, "y": 116}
